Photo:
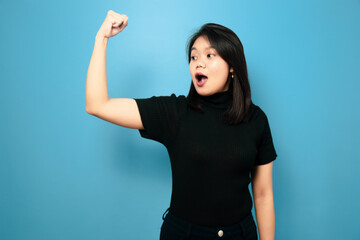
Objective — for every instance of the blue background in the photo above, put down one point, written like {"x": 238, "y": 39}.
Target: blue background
{"x": 65, "y": 174}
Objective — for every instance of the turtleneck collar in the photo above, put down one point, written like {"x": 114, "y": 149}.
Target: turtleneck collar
{"x": 220, "y": 100}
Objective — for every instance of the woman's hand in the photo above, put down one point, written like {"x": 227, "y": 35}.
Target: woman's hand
{"x": 113, "y": 24}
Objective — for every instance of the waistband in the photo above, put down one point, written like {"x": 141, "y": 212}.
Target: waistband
{"x": 199, "y": 230}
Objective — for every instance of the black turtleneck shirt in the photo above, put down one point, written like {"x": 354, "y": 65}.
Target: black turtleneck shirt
{"x": 210, "y": 160}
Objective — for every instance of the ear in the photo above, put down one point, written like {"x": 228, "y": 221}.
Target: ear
{"x": 231, "y": 70}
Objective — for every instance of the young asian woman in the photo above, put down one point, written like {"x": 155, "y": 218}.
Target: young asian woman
{"x": 218, "y": 140}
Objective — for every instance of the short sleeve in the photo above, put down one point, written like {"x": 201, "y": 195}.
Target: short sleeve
{"x": 159, "y": 116}
{"x": 266, "y": 150}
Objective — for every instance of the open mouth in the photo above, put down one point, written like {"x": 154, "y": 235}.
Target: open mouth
{"x": 201, "y": 79}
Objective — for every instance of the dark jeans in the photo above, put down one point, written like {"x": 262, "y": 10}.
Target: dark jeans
{"x": 174, "y": 228}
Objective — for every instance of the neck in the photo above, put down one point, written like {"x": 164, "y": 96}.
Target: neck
{"x": 220, "y": 100}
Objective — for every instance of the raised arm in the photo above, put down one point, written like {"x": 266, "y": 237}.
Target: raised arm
{"x": 121, "y": 111}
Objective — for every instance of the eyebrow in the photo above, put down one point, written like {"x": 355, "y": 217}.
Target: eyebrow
{"x": 194, "y": 48}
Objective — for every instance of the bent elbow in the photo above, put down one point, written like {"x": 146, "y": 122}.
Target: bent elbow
{"x": 89, "y": 110}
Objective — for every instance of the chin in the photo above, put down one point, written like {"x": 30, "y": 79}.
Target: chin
{"x": 203, "y": 91}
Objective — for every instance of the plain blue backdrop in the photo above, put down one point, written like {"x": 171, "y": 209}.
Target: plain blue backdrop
{"x": 65, "y": 174}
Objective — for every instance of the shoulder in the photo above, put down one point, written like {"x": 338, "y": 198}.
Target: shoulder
{"x": 172, "y": 98}
{"x": 258, "y": 113}
{"x": 172, "y": 102}
{"x": 259, "y": 118}
{"x": 175, "y": 98}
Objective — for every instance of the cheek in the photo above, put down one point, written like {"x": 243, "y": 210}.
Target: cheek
{"x": 191, "y": 69}
{"x": 220, "y": 69}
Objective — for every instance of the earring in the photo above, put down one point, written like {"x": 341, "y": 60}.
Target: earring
{"x": 232, "y": 75}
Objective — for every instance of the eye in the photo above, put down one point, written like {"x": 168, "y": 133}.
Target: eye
{"x": 193, "y": 57}
{"x": 211, "y": 55}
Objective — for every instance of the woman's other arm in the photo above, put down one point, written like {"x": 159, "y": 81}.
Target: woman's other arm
{"x": 264, "y": 200}
{"x": 121, "y": 111}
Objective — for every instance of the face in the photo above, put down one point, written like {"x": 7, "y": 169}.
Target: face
{"x": 209, "y": 71}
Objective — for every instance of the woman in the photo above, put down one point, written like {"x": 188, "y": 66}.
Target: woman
{"x": 218, "y": 140}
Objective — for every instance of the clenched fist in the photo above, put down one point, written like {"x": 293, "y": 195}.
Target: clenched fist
{"x": 113, "y": 24}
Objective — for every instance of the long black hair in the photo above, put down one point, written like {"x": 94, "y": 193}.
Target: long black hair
{"x": 230, "y": 48}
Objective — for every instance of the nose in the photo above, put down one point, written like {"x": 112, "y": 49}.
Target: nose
{"x": 200, "y": 63}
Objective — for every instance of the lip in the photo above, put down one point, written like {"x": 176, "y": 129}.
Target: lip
{"x": 199, "y": 74}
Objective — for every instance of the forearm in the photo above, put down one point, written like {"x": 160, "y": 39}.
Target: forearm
{"x": 96, "y": 86}
{"x": 265, "y": 216}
